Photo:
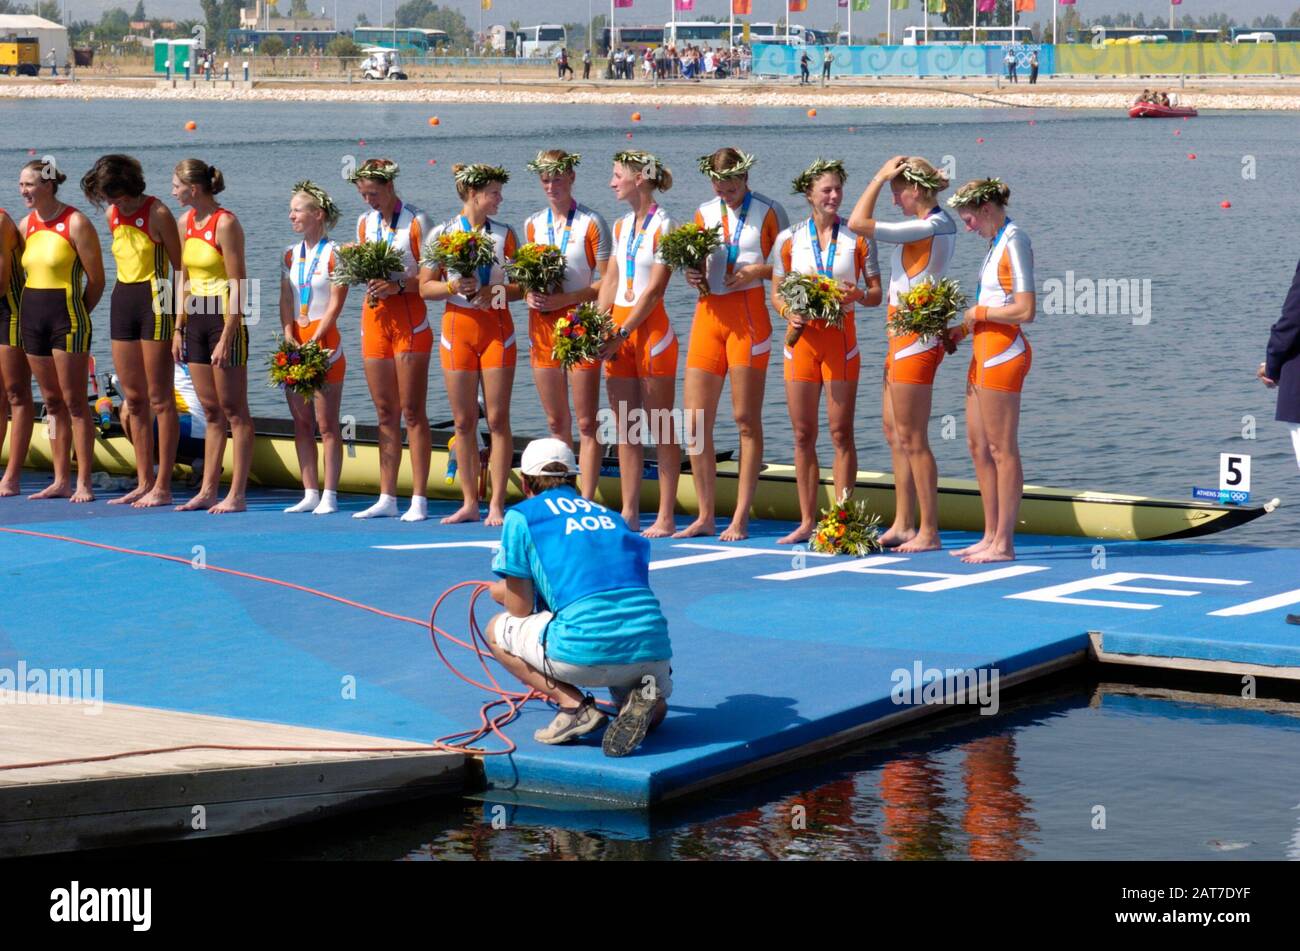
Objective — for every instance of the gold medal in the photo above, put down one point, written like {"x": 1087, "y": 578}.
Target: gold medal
{"x": 629, "y": 296}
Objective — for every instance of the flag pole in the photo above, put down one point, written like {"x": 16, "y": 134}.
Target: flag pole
{"x": 974, "y": 20}
{"x": 1056, "y": 5}
{"x": 889, "y": 25}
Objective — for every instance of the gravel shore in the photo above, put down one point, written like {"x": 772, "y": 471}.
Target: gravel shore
{"x": 1219, "y": 95}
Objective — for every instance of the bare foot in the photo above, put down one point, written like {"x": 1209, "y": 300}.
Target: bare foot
{"x": 197, "y": 503}
{"x": 662, "y": 528}
{"x": 800, "y": 534}
{"x": 737, "y": 531}
{"x": 84, "y": 493}
{"x": 231, "y": 503}
{"x": 495, "y": 517}
{"x": 466, "y": 513}
{"x": 897, "y": 536}
{"x": 920, "y": 543}
{"x": 990, "y": 554}
{"x": 129, "y": 499}
{"x": 971, "y": 549}
{"x": 697, "y": 528}
{"x": 632, "y": 520}
{"x": 9, "y": 487}
{"x": 56, "y": 490}
{"x": 152, "y": 498}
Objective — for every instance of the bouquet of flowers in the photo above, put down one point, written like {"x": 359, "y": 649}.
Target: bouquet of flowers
{"x": 927, "y": 308}
{"x": 812, "y": 297}
{"x": 364, "y": 261}
{"x": 537, "y": 268}
{"x": 847, "y": 529}
{"x": 300, "y": 368}
{"x": 580, "y": 335}
{"x": 459, "y": 252}
{"x": 689, "y": 246}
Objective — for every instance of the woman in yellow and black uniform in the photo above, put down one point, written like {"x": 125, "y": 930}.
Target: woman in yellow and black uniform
{"x": 210, "y": 335}
{"x": 64, "y": 281}
{"x": 147, "y": 249}
{"x": 15, "y": 374}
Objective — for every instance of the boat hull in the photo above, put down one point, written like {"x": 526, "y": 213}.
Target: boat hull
{"x": 1150, "y": 110}
{"x": 1043, "y": 511}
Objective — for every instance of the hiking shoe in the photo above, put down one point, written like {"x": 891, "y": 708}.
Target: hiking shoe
{"x": 629, "y": 728}
{"x": 569, "y": 724}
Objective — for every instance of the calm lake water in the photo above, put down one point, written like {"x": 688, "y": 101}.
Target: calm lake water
{"x": 1112, "y": 403}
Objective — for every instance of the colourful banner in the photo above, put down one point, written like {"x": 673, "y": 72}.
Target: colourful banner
{"x": 685, "y": 6}
{"x": 986, "y": 6}
{"x": 622, "y": 3}
{"x": 797, "y": 6}
{"x": 899, "y": 4}
{"x": 861, "y": 6}
{"x": 936, "y": 6}
{"x": 1024, "y": 6}
{"x": 742, "y": 8}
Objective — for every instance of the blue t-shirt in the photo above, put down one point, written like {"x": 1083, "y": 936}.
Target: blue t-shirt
{"x": 587, "y": 544}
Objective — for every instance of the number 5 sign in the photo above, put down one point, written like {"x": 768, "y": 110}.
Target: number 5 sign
{"x": 1234, "y": 472}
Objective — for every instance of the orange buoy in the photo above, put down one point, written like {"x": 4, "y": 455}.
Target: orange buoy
{"x": 1225, "y": 204}
{"x": 1192, "y": 156}
{"x": 1178, "y": 131}
{"x": 433, "y": 161}
{"x": 434, "y": 120}
{"x": 657, "y": 106}
{"x": 629, "y": 135}
{"x": 1033, "y": 122}
{"x": 361, "y": 141}
{"x": 31, "y": 151}
{"x": 191, "y": 126}
{"x": 812, "y": 113}
{"x": 979, "y": 141}
{"x": 636, "y": 117}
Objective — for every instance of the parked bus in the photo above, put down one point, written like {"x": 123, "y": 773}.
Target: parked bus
{"x": 634, "y": 36}
{"x": 294, "y": 40}
{"x": 503, "y": 40}
{"x": 414, "y": 40}
{"x": 701, "y": 33}
{"x": 798, "y": 34}
{"x": 541, "y": 40}
{"x": 955, "y": 35}
{"x": 1242, "y": 34}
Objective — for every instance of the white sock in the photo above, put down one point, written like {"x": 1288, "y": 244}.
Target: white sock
{"x": 310, "y": 498}
{"x": 329, "y": 503}
{"x": 418, "y": 511}
{"x": 386, "y": 507}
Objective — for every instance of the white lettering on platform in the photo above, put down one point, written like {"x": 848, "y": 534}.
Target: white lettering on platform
{"x": 946, "y": 581}
{"x": 1285, "y": 599}
{"x": 486, "y": 544}
{"x": 725, "y": 553}
{"x": 1060, "y": 593}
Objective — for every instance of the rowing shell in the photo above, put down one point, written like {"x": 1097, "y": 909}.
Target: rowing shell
{"x": 1043, "y": 511}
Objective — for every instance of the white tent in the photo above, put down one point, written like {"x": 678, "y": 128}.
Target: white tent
{"x": 49, "y": 34}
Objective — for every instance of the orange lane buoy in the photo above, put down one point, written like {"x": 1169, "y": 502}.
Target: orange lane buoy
{"x": 1192, "y": 156}
{"x": 191, "y": 126}
{"x": 1033, "y": 122}
{"x": 1225, "y": 204}
{"x": 361, "y": 141}
{"x": 812, "y": 113}
{"x": 636, "y": 117}
{"x": 658, "y": 106}
{"x": 433, "y": 161}
{"x": 979, "y": 141}
{"x": 434, "y": 120}
{"x": 1178, "y": 131}
{"x": 31, "y": 151}
{"x": 629, "y": 135}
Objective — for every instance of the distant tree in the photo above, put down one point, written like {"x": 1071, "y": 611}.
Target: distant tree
{"x": 272, "y": 46}
{"x": 139, "y": 12}
{"x": 113, "y": 25}
{"x": 362, "y": 19}
{"x": 344, "y": 49}
{"x": 220, "y": 17}
{"x": 410, "y": 14}
{"x": 298, "y": 10}
{"x": 958, "y": 13}
{"x": 1270, "y": 22}
{"x": 49, "y": 10}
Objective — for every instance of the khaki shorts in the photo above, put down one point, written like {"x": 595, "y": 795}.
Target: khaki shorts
{"x": 522, "y": 637}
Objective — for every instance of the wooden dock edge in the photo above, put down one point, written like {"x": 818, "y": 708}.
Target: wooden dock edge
{"x": 1098, "y": 652}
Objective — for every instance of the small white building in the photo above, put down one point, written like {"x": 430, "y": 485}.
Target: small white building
{"x": 50, "y": 35}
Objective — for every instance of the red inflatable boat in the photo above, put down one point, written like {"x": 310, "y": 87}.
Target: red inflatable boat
{"x": 1153, "y": 110}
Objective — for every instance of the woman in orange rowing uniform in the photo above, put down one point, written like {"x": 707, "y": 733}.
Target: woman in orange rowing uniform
{"x": 641, "y": 357}
{"x": 999, "y": 364}
{"x": 396, "y": 340}
{"x": 583, "y": 238}
{"x": 15, "y": 372}
{"x": 731, "y": 334}
{"x": 211, "y": 337}
{"x": 478, "y": 340}
{"x": 309, "y": 312}
{"x": 64, "y": 281}
{"x": 147, "y": 250}
{"x": 923, "y": 247}
{"x": 823, "y": 356}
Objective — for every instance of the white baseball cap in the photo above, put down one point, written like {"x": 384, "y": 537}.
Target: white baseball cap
{"x": 541, "y": 453}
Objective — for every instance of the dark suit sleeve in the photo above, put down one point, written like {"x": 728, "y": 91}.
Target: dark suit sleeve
{"x": 1284, "y": 339}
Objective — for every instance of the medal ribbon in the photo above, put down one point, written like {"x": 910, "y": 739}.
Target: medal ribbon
{"x": 633, "y": 246}
{"x": 485, "y": 270}
{"x": 568, "y": 227}
{"x": 305, "y": 275}
{"x": 733, "y": 244}
{"x": 828, "y": 270}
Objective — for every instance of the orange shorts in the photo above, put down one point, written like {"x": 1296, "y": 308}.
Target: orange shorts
{"x": 911, "y": 361}
{"x": 1001, "y": 357}
{"x": 824, "y": 355}
{"x": 541, "y": 336}
{"x": 474, "y": 339}
{"x": 397, "y": 324}
{"x": 730, "y": 330}
{"x": 651, "y": 350}
{"x": 331, "y": 341}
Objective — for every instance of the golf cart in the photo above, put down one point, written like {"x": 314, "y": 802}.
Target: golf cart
{"x": 381, "y": 63}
